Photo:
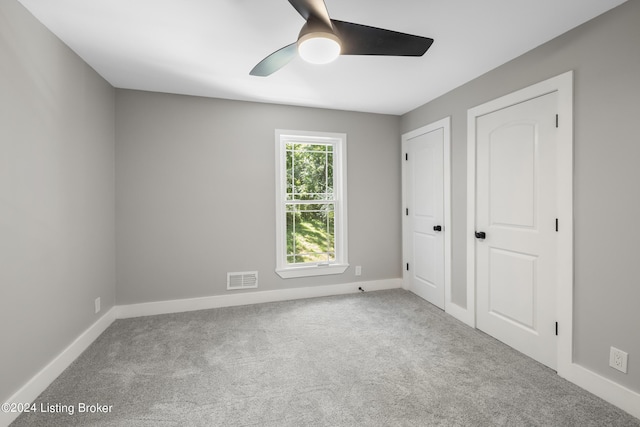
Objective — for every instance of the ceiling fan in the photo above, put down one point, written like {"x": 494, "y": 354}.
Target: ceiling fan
{"x": 322, "y": 39}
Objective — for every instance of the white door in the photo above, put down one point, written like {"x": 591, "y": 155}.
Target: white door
{"x": 423, "y": 225}
{"x": 516, "y": 208}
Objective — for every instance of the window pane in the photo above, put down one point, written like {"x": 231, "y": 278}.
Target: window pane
{"x": 292, "y": 219}
{"x": 332, "y": 234}
{"x": 289, "y": 160}
{"x": 310, "y": 233}
{"x": 309, "y": 171}
{"x": 330, "y": 176}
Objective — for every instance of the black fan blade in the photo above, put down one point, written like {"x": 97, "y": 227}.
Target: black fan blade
{"x": 312, "y": 9}
{"x": 364, "y": 40}
{"x": 275, "y": 61}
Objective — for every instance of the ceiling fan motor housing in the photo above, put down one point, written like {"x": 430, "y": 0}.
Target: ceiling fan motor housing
{"x": 318, "y": 43}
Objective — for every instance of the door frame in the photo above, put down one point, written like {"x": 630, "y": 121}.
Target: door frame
{"x": 445, "y": 124}
{"x": 563, "y": 85}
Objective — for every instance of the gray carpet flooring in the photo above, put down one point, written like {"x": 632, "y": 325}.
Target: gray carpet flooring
{"x": 372, "y": 359}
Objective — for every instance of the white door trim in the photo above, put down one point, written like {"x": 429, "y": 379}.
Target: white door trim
{"x": 445, "y": 124}
{"x": 563, "y": 85}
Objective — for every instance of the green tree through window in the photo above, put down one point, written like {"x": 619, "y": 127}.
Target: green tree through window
{"x": 310, "y": 203}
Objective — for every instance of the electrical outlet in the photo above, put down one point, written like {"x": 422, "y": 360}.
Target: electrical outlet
{"x": 618, "y": 359}
{"x": 358, "y": 270}
{"x": 97, "y": 305}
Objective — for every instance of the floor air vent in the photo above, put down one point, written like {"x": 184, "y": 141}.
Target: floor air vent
{"x": 242, "y": 280}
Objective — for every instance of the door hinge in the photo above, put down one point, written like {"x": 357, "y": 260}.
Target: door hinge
{"x": 407, "y": 266}
{"x": 556, "y": 328}
{"x": 406, "y": 156}
{"x": 556, "y": 225}
{"x": 557, "y": 120}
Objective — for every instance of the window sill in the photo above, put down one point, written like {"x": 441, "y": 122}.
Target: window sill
{"x": 312, "y": 270}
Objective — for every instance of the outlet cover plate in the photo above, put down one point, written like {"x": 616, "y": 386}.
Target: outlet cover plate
{"x": 618, "y": 359}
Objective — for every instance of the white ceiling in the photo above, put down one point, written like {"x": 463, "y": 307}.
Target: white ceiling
{"x": 208, "y": 47}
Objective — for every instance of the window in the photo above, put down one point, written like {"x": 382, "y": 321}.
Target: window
{"x": 311, "y": 209}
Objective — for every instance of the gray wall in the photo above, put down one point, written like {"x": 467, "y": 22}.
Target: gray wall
{"x": 195, "y": 193}
{"x": 605, "y": 55}
{"x": 56, "y": 196}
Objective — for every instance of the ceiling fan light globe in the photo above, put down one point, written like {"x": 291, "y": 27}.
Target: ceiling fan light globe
{"x": 319, "y": 48}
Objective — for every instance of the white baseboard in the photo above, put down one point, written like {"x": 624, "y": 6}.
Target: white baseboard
{"x": 614, "y": 393}
{"x": 32, "y": 389}
{"x": 460, "y": 313}
{"x": 246, "y": 298}
{"x": 452, "y": 309}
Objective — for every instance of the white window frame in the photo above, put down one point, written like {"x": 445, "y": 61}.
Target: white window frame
{"x": 339, "y": 142}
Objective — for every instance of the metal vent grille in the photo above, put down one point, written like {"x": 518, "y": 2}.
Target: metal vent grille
{"x": 242, "y": 280}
